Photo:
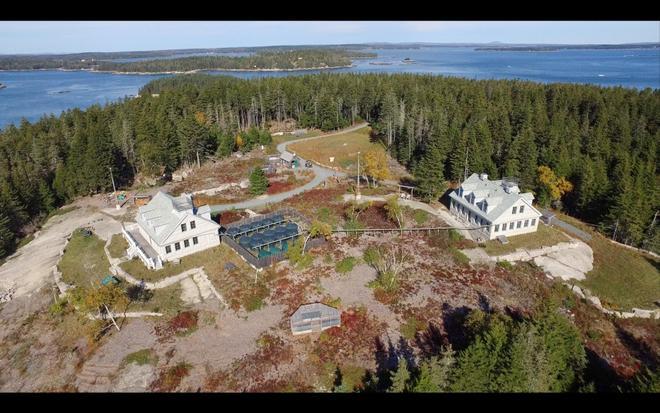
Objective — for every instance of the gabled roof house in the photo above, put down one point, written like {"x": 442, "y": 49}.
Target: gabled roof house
{"x": 494, "y": 207}
{"x": 168, "y": 228}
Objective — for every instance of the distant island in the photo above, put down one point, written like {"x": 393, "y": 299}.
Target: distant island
{"x": 554, "y": 48}
{"x": 267, "y": 60}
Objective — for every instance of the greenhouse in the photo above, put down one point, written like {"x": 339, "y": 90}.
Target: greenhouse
{"x": 314, "y": 317}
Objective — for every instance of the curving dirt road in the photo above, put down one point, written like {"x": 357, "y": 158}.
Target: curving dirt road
{"x": 320, "y": 175}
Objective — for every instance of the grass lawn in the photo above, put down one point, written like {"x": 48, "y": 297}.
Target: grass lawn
{"x": 343, "y": 148}
{"x": 117, "y": 247}
{"x": 84, "y": 260}
{"x": 544, "y": 236}
{"x": 141, "y": 357}
{"x": 622, "y": 278}
{"x": 164, "y": 300}
{"x": 208, "y": 258}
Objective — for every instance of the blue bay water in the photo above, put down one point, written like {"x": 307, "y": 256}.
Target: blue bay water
{"x": 32, "y": 94}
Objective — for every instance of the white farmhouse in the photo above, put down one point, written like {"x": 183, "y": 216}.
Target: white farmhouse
{"x": 495, "y": 207}
{"x": 168, "y": 228}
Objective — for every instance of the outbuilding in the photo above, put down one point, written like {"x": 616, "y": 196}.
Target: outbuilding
{"x": 314, "y": 317}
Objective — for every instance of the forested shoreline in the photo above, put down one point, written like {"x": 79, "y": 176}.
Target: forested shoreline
{"x": 603, "y": 140}
{"x": 261, "y": 60}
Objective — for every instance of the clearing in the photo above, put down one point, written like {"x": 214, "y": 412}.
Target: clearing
{"x": 343, "y": 148}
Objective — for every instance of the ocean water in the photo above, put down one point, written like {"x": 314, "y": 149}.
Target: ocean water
{"x": 32, "y": 94}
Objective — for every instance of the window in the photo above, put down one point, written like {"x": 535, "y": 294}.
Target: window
{"x": 186, "y": 243}
{"x": 526, "y": 223}
{"x": 194, "y": 240}
{"x": 519, "y": 224}
{"x": 193, "y": 226}
{"x": 168, "y": 249}
{"x": 510, "y": 225}
{"x": 514, "y": 210}
{"x": 522, "y": 208}
{"x": 497, "y": 228}
{"x": 177, "y": 246}
{"x": 183, "y": 227}
{"x": 534, "y": 222}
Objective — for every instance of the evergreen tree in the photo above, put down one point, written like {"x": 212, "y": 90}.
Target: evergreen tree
{"x": 258, "y": 181}
{"x": 6, "y": 236}
{"x": 400, "y": 378}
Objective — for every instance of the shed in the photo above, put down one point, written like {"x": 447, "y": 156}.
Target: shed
{"x": 288, "y": 158}
{"x": 141, "y": 200}
{"x": 548, "y": 217}
{"x": 314, "y": 317}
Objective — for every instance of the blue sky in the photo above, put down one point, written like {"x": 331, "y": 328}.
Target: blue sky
{"x": 72, "y": 37}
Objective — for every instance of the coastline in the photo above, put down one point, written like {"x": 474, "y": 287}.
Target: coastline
{"x": 178, "y": 72}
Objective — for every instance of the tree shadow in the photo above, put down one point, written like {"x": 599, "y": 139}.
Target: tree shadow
{"x": 484, "y": 303}
{"x": 638, "y": 348}
{"x": 598, "y": 370}
{"x": 387, "y": 360}
{"x": 451, "y": 331}
{"x": 444, "y": 198}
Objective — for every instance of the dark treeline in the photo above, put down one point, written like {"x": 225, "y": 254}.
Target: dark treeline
{"x": 273, "y": 58}
{"x": 298, "y": 59}
{"x": 604, "y": 140}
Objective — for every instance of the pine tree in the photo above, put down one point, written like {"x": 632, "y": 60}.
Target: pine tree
{"x": 400, "y": 378}
{"x": 435, "y": 372}
{"x": 7, "y": 238}
{"x": 258, "y": 181}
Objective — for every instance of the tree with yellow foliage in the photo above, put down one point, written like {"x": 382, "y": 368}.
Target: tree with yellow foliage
{"x": 375, "y": 165}
{"x": 551, "y": 187}
{"x": 239, "y": 141}
{"x": 200, "y": 117}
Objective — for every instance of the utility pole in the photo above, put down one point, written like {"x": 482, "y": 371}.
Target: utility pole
{"x": 114, "y": 189}
{"x": 466, "y": 162}
{"x": 357, "y": 194}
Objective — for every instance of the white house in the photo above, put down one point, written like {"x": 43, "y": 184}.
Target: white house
{"x": 168, "y": 228}
{"x": 495, "y": 207}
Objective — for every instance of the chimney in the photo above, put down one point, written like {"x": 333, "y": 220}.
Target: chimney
{"x": 483, "y": 177}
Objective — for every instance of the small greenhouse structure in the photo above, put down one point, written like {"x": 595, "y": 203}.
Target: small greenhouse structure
{"x": 314, "y": 317}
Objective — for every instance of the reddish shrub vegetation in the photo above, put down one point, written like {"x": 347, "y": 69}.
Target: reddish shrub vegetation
{"x": 354, "y": 340}
{"x": 275, "y": 187}
{"x": 376, "y": 217}
{"x": 183, "y": 323}
{"x": 228, "y": 217}
{"x": 169, "y": 379}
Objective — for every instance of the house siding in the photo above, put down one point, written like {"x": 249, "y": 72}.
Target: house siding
{"x": 474, "y": 216}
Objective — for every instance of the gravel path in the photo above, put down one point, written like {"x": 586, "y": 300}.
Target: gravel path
{"x": 320, "y": 175}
